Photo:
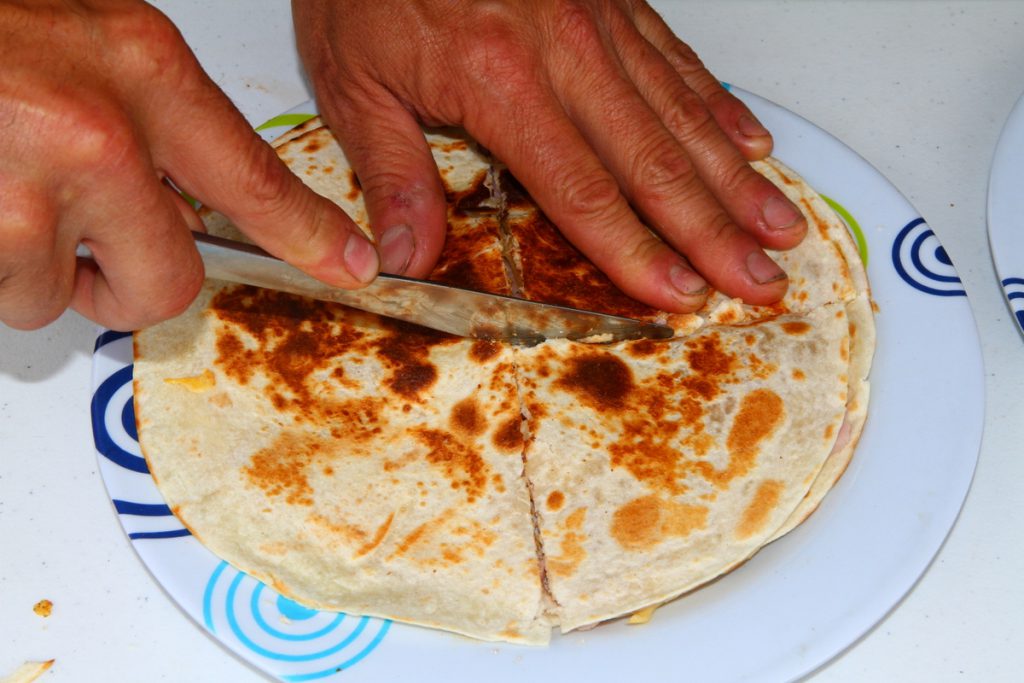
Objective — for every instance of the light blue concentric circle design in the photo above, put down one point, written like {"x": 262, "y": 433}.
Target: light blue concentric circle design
{"x": 301, "y": 644}
{"x": 923, "y": 263}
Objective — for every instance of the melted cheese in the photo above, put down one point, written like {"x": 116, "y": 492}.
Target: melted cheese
{"x": 197, "y": 383}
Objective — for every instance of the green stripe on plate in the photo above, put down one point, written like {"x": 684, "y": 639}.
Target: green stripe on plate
{"x": 290, "y": 120}
{"x": 851, "y": 222}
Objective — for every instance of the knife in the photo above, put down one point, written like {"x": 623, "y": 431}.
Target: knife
{"x": 456, "y": 310}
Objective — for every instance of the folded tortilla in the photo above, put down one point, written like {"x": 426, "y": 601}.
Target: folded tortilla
{"x": 369, "y": 466}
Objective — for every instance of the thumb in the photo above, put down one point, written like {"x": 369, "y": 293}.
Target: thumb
{"x": 225, "y": 164}
{"x": 404, "y": 195}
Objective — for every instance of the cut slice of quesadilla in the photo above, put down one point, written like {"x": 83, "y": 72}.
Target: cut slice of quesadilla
{"x": 656, "y": 467}
{"x": 826, "y": 274}
{"x": 353, "y": 462}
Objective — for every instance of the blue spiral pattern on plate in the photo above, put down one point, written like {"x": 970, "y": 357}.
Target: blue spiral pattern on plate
{"x": 115, "y": 435}
{"x": 923, "y": 263}
{"x": 108, "y": 337}
{"x": 106, "y": 441}
{"x": 302, "y": 644}
{"x": 1014, "y": 288}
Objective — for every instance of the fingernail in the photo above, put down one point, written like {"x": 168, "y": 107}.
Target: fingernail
{"x": 780, "y": 214}
{"x": 763, "y": 269}
{"x": 361, "y": 258}
{"x": 751, "y": 127}
{"x": 396, "y": 247}
{"x": 687, "y": 282}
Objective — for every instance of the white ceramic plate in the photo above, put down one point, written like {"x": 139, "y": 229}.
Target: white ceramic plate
{"x": 1006, "y": 211}
{"x": 794, "y": 606}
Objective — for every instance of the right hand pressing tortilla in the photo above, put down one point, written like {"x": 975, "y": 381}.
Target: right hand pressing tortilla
{"x": 629, "y": 145}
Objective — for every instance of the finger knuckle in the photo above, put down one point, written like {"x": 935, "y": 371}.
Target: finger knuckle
{"x": 573, "y": 24}
{"x": 98, "y": 136}
{"x": 718, "y": 229}
{"x": 592, "y": 195}
{"x": 263, "y": 180}
{"x": 626, "y": 244}
{"x": 312, "y": 230}
{"x": 737, "y": 179}
{"x": 392, "y": 190}
{"x": 143, "y": 42}
{"x": 26, "y": 219}
{"x": 662, "y": 171}
{"x": 496, "y": 59}
{"x": 688, "y": 114}
{"x": 173, "y": 297}
{"x": 182, "y": 294}
{"x": 682, "y": 57}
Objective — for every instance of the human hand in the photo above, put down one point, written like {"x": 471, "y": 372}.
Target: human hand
{"x": 101, "y": 102}
{"x": 609, "y": 121}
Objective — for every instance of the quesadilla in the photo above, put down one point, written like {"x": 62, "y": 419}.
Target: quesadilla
{"x": 365, "y": 465}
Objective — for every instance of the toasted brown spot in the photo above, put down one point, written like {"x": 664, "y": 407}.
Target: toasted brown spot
{"x": 571, "y": 550}
{"x": 575, "y": 520}
{"x": 555, "y": 500}
{"x": 350, "y": 533}
{"x": 378, "y": 536}
{"x": 405, "y": 351}
{"x": 221, "y": 400}
{"x": 729, "y": 317}
{"x": 760, "y": 368}
{"x": 281, "y": 468}
{"x": 703, "y": 387}
{"x": 295, "y": 343}
{"x": 602, "y": 381}
{"x": 483, "y": 350}
{"x": 798, "y": 374}
{"x": 458, "y": 461}
{"x": 796, "y": 327}
{"x": 415, "y": 536}
{"x": 760, "y": 413}
{"x": 355, "y": 189}
{"x": 708, "y": 359}
{"x": 235, "y": 357}
{"x": 509, "y": 436}
{"x": 466, "y": 417}
{"x": 665, "y": 430}
{"x": 757, "y": 513}
{"x": 647, "y": 521}
{"x": 643, "y": 348}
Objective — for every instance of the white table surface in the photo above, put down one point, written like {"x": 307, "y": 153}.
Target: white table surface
{"x": 920, "y": 89}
